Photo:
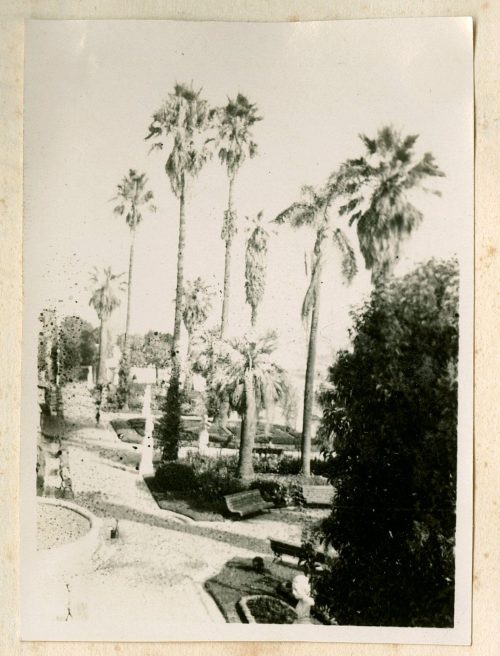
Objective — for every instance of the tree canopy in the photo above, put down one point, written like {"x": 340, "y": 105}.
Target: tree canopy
{"x": 391, "y": 410}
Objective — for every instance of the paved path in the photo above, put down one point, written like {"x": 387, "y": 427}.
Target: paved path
{"x": 155, "y": 570}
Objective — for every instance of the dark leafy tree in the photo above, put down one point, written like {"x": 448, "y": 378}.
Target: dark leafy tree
{"x": 157, "y": 350}
{"x": 391, "y": 411}
{"x": 170, "y": 424}
{"x": 77, "y": 347}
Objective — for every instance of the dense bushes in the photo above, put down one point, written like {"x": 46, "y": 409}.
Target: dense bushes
{"x": 210, "y": 479}
{"x": 288, "y": 465}
{"x": 391, "y": 411}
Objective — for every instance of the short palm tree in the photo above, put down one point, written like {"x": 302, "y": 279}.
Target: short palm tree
{"x": 312, "y": 211}
{"x": 376, "y": 190}
{"x": 197, "y": 307}
{"x": 105, "y": 298}
{"x": 132, "y": 196}
{"x": 235, "y": 143}
{"x": 256, "y": 265}
{"x": 250, "y": 379}
{"x": 182, "y": 122}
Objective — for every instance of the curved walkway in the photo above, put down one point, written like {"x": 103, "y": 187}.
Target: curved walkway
{"x": 154, "y": 571}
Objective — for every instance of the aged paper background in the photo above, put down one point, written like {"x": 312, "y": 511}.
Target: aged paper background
{"x": 486, "y": 634}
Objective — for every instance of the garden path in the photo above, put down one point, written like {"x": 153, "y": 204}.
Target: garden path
{"x": 160, "y": 559}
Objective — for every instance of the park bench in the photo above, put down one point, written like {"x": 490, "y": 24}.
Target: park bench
{"x": 318, "y": 495}
{"x": 281, "y": 548}
{"x": 246, "y": 503}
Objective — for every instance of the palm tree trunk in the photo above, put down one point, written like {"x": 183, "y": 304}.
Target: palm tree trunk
{"x": 188, "y": 379}
{"x": 180, "y": 281}
{"x": 101, "y": 369}
{"x": 254, "y": 316}
{"x": 129, "y": 289}
{"x": 248, "y": 429}
{"x": 227, "y": 262}
{"x": 309, "y": 389}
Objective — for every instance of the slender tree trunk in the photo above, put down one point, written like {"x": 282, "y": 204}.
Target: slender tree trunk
{"x": 188, "y": 379}
{"x": 254, "y": 316}
{"x": 248, "y": 429}
{"x": 180, "y": 283}
{"x": 309, "y": 389}
{"x": 129, "y": 288}
{"x": 101, "y": 368}
{"x": 227, "y": 262}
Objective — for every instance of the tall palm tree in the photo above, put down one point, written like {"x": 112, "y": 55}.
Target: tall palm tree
{"x": 197, "y": 307}
{"x": 183, "y": 121}
{"x": 256, "y": 265}
{"x": 105, "y": 298}
{"x": 132, "y": 196}
{"x": 235, "y": 143}
{"x": 376, "y": 190}
{"x": 250, "y": 379}
{"x": 313, "y": 211}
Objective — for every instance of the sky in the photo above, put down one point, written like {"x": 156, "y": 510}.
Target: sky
{"x": 92, "y": 87}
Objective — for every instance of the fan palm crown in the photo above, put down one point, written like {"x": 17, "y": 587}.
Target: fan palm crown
{"x": 377, "y": 190}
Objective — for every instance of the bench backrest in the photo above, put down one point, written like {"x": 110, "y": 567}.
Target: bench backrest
{"x": 244, "y": 499}
{"x": 319, "y": 494}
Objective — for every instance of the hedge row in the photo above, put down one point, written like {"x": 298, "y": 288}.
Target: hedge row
{"x": 213, "y": 478}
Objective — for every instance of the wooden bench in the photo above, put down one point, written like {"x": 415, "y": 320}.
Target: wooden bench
{"x": 246, "y": 503}
{"x": 280, "y": 549}
{"x": 318, "y": 495}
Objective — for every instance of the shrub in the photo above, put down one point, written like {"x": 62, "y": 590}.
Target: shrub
{"x": 176, "y": 476}
{"x": 280, "y": 491}
{"x": 392, "y": 411}
{"x": 169, "y": 426}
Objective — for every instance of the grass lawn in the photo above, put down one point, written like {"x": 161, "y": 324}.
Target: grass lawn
{"x": 238, "y": 578}
{"x": 195, "y": 508}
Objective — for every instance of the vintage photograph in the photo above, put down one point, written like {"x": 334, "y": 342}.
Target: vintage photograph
{"x": 247, "y": 333}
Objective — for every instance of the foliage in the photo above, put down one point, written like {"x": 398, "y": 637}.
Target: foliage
{"x": 250, "y": 380}
{"x": 76, "y": 347}
{"x": 132, "y": 196}
{"x": 289, "y": 465}
{"x": 280, "y": 491}
{"x": 123, "y": 389}
{"x": 135, "y": 346}
{"x": 256, "y": 265}
{"x": 234, "y": 123}
{"x": 197, "y": 304}
{"x": 392, "y": 412}
{"x": 270, "y": 610}
{"x": 105, "y": 297}
{"x": 183, "y": 119}
{"x": 313, "y": 211}
{"x": 169, "y": 426}
{"x": 376, "y": 190}
{"x": 157, "y": 349}
{"x": 47, "y": 345}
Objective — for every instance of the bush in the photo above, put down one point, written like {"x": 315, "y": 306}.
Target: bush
{"x": 280, "y": 491}
{"x": 288, "y": 465}
{"x": 392, "y": 412}
{"x": 176, "y": 476}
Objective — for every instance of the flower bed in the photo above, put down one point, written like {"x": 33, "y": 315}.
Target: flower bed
{"x": 264, "y": 609}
